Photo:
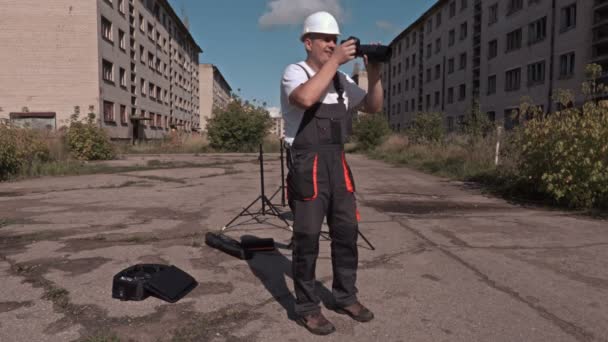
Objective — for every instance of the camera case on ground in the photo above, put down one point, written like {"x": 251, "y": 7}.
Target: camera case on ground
{"x": 140, "y": 281}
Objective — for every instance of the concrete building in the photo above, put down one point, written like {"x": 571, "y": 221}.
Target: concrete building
{"x": 215, "y": 92}
{"x": 132, "y": 62}
{"x": 495, "y": 52}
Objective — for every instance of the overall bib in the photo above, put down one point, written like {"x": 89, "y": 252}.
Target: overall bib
{"x": 319, "y": 184}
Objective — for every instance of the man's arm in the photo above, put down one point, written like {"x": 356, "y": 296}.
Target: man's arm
{"x": 372, "y": 103}
{"x": 309, "y": 93}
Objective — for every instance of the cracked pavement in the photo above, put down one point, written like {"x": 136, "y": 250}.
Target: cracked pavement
{"x": 450, "y": 264}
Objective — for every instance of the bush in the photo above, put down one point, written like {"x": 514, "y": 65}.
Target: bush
{"x": 370, "y": 130}
{"x": 87, "y": 141}
{"x": 427, "y": 127}
{"x": 241, "y": 127}
{"x": 19, "y": 150}
{"x": 565, "y": 154}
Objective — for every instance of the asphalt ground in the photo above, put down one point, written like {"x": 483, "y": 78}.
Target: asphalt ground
{"x": 450, "y": 264}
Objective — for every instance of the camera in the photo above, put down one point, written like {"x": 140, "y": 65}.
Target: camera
{"x": 375, "y": 53}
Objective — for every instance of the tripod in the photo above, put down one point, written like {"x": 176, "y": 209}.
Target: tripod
{"x": 263, "y": 211}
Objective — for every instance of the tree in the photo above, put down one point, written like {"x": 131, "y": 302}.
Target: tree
{"x": 240, "y": 127}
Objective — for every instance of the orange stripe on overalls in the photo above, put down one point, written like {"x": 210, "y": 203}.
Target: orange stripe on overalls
{"x": 314, "y": 178}
{"x": 347, "y": 180}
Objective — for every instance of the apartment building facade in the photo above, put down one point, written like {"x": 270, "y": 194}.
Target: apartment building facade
{"x": 494, "y": 53}
{"x": 215, "y": 92}
{"x": 131, "y": 62}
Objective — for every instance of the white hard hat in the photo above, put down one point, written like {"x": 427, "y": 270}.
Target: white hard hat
{"x": 320, "y": 22}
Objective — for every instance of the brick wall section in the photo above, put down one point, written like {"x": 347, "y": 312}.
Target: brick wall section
{"x": 48, "y": 59}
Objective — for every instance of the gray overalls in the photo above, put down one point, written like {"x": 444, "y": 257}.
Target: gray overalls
{"x": 319, "y": 184}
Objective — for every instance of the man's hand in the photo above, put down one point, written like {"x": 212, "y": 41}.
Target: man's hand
{"x": 344, "y": 53}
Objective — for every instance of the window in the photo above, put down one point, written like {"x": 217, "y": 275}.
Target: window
{"x": 493, "y": 14}
{"x": 437, "y": 71}
{"x": 150, "y": 31}
{"x": 399, "y": 68}
{"x": 413, "y": 82}
{"x": 107, "y": 68}
{"x": 123, "y": 77}
{"x": 492, "y": 49}
{"x": 428, "y": 74}
{"x": 452, "y": 37}
{"x": 462, "y": 92}
{"x": 512, "y": 79}
{"x": 399, "y": 88}
{"x": 429, "y": 25}
{"x": 106, "y": 29}
{"x": 428, "y": 101}
{"x": 463, "y": 61}
{"x": 413, "y": 59}
{"x": 437, "y": 45}
{"x": 428, "y": 50}
{"x": 514, "y": 6}
{"x": 123, "y": 114}
{"x": 121, "y": 6}
{"x": 436, "y": 98}
{"x": 450, "y": 65}
{"x": 450, "y": 124}
{"x": 151, "y": 60}
{"x": 537, "y": 31}
{"x": 142, "y": 23}
{"x": 142, "y": 54}
{"x": 414, "y": 38}
{"x": 514, "y": 40}
{"x": 121, "y": 40}
{"x": 407, "y": 84}
{"x": 463, "y": 4}
{"x": 491, "y": 116}
{"x": 536, "y": 73}
{"x": 492, "y": 85}
{"x": 108, "y": 111}
{"x": 438, "y": 19}
{"x": 568, "y": 18}
{"x": 407, "y": 42}
{"x": 142, "y": 87}
{"x": 452, "y": 9}
{"x": 450, "y": 95}
{"x": 566, "y": 65}
{"x": 413, "y": 105}
{"x": 463, "y": 31}
{"x": 407, "y": 63}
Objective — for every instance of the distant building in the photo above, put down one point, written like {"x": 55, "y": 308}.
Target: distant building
{"x": 278, "y": 124}
{"x": 495, "y": 52}
{"x": 131, "y": 62}
{"x": 215, "y": 92}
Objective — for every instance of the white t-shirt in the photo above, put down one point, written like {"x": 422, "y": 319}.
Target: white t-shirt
{"x": 293, "y": 77}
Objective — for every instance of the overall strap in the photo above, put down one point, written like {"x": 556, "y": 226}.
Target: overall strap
{"x": 337, "y": 84}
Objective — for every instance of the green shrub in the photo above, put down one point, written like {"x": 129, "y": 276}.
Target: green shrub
{"x": 240, "y": 127}
{"x": 19, "y": 149}
{"x": 370, "y": 130}
{"x": 565, "y": 154}
{"x": 427, "y": 127}
{"x": 87, "y": 141}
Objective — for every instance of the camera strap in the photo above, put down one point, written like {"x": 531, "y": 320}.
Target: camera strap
{"x": 337, "y": 84}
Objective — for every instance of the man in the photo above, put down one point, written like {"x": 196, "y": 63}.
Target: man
{"x": 317, "y": 103}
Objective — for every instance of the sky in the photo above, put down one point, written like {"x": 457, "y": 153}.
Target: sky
{"x": 252, "y": 41}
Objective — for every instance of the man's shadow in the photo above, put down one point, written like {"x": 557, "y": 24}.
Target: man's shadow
{"x": 271, "y": 268}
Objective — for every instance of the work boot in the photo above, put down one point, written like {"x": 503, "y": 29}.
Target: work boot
{"x": 357, "y": 311}
{"x": 316, "y": 323}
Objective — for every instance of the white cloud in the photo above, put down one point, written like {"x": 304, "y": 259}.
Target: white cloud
{"x": 275, "y": 112}
{"x": 386, "y": 26}
{"x": 293, "y": 12}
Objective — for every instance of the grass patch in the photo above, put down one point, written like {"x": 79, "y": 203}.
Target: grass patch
{"x": 57, "y": 295}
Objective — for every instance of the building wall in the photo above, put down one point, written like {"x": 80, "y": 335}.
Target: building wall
{"x": 48, "y": 57}
{"x": 479, "y": 66}
{"x": 214, "y": 92}
{"x": 54, "y": 61}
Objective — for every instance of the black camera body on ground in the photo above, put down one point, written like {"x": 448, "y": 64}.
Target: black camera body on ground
{"x": 375, "y": 53}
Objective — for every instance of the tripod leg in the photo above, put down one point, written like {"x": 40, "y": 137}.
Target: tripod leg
{"x": 277, "y": 213}
{"x": 367, "y": 241}
{"x": 240, "y": 214}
